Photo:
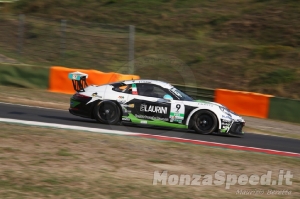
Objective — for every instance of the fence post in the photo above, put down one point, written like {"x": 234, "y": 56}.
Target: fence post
{"x": 131, "y": 49}
{"x": 21, "y": 34}
{"x": 63, "y": 25}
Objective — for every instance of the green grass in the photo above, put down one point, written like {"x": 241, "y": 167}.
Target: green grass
{"x": 276, "y": 77}
{"x": 64, "y": 152}
{"x": 158, "y": 161}
{"x": 248, "y": 45}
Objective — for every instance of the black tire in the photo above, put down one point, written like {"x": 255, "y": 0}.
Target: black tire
{"x": 107, "y": 112}
{"x": 204, "y": 122}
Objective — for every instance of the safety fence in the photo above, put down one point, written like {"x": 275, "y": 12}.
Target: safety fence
{"x": 55, "y": 78}
{"x": 39, "y": 41}
{"x": 284, "y": 109}
{"x": 244, "y": 103}
{"x": 59, "y": 82}
{"x": 249, "y": 103}
{"x": 197, "y": 93}
{"x": 24, "y": 77}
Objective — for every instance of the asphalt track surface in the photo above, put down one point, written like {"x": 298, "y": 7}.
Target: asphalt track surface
{"x": 64, "y": 117}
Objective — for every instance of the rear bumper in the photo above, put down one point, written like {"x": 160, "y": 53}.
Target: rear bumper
{"x": 78, "y": 112}
{"x": 80, "y": 108}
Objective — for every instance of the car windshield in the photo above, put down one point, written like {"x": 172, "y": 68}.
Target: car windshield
{"x": 181, "y": 95}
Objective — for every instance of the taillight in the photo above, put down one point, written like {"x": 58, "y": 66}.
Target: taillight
{"x": 77, "y": 95}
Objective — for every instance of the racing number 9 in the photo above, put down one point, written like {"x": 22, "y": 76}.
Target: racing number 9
{"x": 178, "y": 107}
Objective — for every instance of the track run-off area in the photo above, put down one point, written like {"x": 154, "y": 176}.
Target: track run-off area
{"x": 54, "y": 118}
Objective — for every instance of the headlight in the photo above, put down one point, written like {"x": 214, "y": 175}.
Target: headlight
{"x": 224, "y": 110}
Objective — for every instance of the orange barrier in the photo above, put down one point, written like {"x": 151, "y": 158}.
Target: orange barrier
{"x": 59, "y": 81}
{"x": 244, "y": 103}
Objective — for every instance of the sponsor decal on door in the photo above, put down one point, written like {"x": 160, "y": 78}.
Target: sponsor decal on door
{"x": 154, "y": 109}
{"x": 177, "y": 112}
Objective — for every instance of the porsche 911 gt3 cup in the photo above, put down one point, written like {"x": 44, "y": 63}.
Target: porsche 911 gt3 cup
{"x": 150, "y": 102}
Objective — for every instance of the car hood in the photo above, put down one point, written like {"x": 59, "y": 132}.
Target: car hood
{"x": 209, "y": 102}
{"x": 232, "y": 114}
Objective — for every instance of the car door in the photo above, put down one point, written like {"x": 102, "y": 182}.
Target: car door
{"x": 177, "y": 111}
{"x": 149, "y": 107}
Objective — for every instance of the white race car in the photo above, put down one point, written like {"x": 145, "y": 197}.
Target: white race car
{"x": 150, "y": 102}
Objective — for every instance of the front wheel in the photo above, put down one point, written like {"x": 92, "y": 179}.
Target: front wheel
{"x": 204, "y": 122}
{"x": 107, "y": 112}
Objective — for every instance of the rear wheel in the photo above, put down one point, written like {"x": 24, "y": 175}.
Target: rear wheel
{"x": 204, "y": 122}
{"x": 107, "y": 112}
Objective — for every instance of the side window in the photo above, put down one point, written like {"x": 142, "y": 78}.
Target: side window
{"x": 159, "y": 91}
{"x": 120, "y": 87}
{"x": 150, "y": 90}
{"x": 128, "y": 89}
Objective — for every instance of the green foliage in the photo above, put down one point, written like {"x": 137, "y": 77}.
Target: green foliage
{"x": 278, "y": 76}
{"x": 18, "y": 5}
{"x": 271, "y": 52}
{"x": 71, "y": 54}
{"x": 166, "y": 17}
{"x": 262, "y": 1}
{"x": 219, "y": 20}
{"x": 226, "y": 44}
{"x": 197, "y": 60}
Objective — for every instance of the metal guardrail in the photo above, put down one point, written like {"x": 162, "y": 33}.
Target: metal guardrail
{"x": 197, "y": 93}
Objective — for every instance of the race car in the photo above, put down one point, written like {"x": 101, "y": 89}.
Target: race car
{"x": 152, "y": 103}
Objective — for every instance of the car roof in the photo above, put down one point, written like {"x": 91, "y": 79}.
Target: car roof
{"x": 148, "y": 81}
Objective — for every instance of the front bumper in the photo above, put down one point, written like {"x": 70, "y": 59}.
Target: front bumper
{"x": 236, "y": 128}
{"x": 232, "y": 127}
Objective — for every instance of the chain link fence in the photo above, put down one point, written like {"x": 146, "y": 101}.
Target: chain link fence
{"x": 45, "y": 42}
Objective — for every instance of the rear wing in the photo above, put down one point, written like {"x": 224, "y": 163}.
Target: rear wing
{"x": 78, "y": 80}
